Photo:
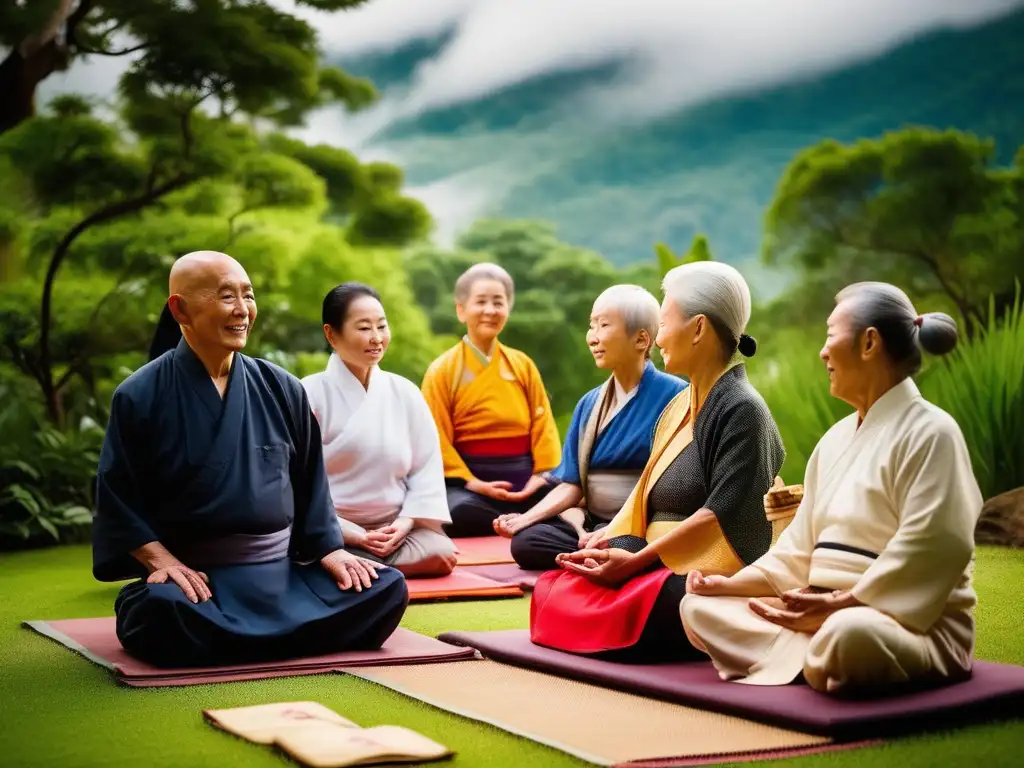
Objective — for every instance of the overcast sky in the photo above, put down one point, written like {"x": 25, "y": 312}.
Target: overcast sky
{"x": 683, "y": 50}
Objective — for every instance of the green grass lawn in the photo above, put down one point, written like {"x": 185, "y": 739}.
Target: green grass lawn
{"x": 58, "y": 709}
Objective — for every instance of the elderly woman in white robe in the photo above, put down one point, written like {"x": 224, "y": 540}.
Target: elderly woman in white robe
{"x": 870, "y": 585}
{"x": 381, "y": 447}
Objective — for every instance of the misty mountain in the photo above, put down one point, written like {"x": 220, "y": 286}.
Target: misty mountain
{"x": 621, "y": 185}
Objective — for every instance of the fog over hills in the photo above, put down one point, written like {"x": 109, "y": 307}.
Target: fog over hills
{"x": 632, "y": 122}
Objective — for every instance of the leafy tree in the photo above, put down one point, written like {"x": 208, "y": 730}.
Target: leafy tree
{"x": 248, "y": 55}
{"x": 365, "y": 198}
{"x": 118, "y": 211}
{"x": 921, "y": 208}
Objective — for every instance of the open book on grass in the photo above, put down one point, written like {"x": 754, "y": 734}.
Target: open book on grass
{"x": 316, "y": 736}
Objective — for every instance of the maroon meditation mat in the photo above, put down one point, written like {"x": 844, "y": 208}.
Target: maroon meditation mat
{"x": 96, "y": 640}
{"x": 504, "y": 573}
{"x": 992, "y": 690}
{"x": 483, "y": 550}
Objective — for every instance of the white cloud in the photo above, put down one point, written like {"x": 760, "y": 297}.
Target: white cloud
{"x": 684, "y": 50}
{"x": 457, "y": 201}
{"x": 380, "y": 25}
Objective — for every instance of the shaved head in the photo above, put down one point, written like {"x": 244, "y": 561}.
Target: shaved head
{"x": 211, "y": 298}
{"x": 201, "y": 269}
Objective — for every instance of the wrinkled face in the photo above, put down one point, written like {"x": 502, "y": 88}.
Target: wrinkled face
{"x": 221, "y": 310}
{"x": 843, "y": 355}
{"x": 485, "y": 310}
{"x": 610, "y": 343}
{"x": 676, "y": 337}
{"x": 364, "y": 335}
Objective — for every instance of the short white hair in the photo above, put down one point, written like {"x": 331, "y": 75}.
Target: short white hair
{"x": 715, "y": 290}
{"x": 637, "y": 307}
{"x": 483, "y": 271}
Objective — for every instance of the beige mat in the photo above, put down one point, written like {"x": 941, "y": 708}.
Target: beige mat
{"x": 579, "y": 718}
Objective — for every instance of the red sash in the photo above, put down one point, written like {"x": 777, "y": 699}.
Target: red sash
{"x": 570, "y": 613}
{"x": 495, "y": 446}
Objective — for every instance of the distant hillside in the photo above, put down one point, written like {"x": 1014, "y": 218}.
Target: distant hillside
{"x": 712, "y": 167}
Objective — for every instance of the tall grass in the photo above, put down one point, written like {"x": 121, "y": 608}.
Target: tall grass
{"x": 981, "y": 384}
{"x": 795, "y": 385}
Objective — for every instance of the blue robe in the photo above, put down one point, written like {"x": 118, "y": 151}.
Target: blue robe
{"x": 186, "y": 468}
{"x": 624, "y": 445}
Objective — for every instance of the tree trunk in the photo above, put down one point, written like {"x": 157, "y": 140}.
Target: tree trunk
{"x": 54, "y": 406}
{"x": 19, "y": 77}
{"x": 47, "y": 381}
{"x": 32, "y": 61}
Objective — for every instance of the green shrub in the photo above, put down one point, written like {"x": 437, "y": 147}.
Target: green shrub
{"x": 981, "y": 384}
{"x": 795, "y": 386}
{"x": 46, "y": 475}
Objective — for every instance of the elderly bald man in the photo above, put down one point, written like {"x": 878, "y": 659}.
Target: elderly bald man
{"x": 211, "y": 491}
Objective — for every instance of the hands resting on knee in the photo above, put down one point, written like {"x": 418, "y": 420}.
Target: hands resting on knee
{"x": 350, "y": 571}
{"x": 800, "y": 610}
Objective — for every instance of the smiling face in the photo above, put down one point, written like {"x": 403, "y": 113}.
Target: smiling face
{"x": 610, "y": 343}
{"x": 485, "y": 311}
{"x": 676, "y": 338}
{"x": 846, "y": 355}
{"x": 364, "y": 335}
{"x": 217, "y": 306}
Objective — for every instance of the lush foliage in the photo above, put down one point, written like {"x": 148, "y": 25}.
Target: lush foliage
{"x": 94, "y": 207}
{"x": 919, "y": 208}
{"x": 45, "y": 473}
{"x": 795, "y": 386}
{"x": 104, "y": 218}
{"x": 699, "y": 251}
{"x": 252, "y": 57}
{"x": 195, "y": 154}
{"x": 982, "y": 387}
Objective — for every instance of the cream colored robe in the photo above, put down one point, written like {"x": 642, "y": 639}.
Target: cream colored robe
{"x": 383, "y": 461}
{"x": 889, "y": 512}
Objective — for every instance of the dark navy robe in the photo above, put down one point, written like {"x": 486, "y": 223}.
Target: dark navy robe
{"x": 185, "y": 468}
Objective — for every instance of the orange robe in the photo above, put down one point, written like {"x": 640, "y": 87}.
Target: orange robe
{"x": 476, "y": 404}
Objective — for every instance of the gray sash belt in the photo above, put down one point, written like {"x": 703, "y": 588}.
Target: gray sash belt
{"x": 607, "y": 491}
{"x": 235, "y": 549}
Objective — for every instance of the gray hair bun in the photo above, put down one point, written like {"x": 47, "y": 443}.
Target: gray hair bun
{"x": 747, "y": 345}
{"x": 936, "y": 333}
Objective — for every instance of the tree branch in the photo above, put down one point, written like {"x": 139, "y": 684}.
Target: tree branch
{"x": 232, "y": 233}
{"x": 152, "y": 193}
{"x": 131, "y": 205}
{"x": 968, "y": 311}
{"x": 101, "y": 52}
{"x": 78, "y": 363}
{"x": 21, "y": 358}
{"x": 71, "y": 371}
{"x": 77, "y": 17}
{"x": 62, "y": 14}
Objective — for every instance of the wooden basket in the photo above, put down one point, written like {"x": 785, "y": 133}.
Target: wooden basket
{"x": 780, "y": 505}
